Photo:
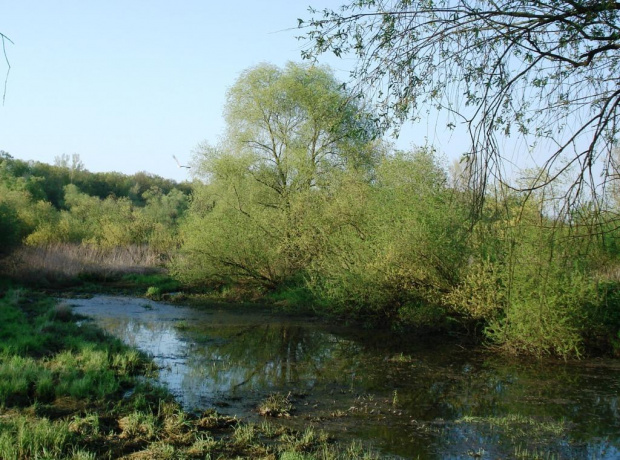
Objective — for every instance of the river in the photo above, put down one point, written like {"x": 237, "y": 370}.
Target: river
{"x": 419, "y": 398}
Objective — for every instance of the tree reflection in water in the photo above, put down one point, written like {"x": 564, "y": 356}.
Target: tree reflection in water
{"x": 413, "y": 400}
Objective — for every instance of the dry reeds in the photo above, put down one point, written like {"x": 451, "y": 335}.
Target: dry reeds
{"x": 63, "y": 262}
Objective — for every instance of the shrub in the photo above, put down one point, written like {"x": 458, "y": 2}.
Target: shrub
{"x": 153, "y": 292}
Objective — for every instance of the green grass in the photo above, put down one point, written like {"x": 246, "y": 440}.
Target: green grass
{"x": 44, "y": 355}
{"x": 23, "y": 437}
{"x": 160, "y": 281}
{"x": 293, "y": 297}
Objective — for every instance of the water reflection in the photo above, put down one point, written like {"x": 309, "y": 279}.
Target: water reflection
{"x": 411, "y": 400}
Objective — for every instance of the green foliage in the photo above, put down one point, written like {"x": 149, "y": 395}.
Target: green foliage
{"x": 160, "y": 281}
{"x": 23, "y": 380}
{"x": 401, "y": 246}
{"x": 15, "y": 331}
{"x": 290, "y": 133}
{"x": 480, "y": 294}
{"x": 20, "y": 211}
{"x": 300, "y": 202}
{"x": 66, "y": 403}
{"x": 44, "y": 205}
{"x": 545, "y": 72}
{"x": 113, "y": 222}
{"x": 79, "y": 361}
{"x": 10, "y": 228}
{"x": 294, "y": 296}
{"x": 47, "y": 182}
{"x": 153, "y": 292}
{"x": 534, "y": 283}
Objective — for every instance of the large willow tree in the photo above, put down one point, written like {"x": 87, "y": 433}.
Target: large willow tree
{"x": 543, "y": 72}
{"x": 290, "y": 134}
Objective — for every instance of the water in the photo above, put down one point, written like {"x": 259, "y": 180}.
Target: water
{"x": 414, "y": 400}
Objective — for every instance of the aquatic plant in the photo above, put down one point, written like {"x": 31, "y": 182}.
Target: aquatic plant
{"x": 276, "y": 405}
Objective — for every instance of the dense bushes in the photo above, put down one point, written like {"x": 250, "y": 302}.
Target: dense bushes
{"x": 383, "y": 236}
{"x": 113, "y": 222}
{"x": 536, "y": 284}
{"x": 402, "y": 247}
{"x": 83, "y": 237}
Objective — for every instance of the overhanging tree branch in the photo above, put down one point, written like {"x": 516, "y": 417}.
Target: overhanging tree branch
{"x": 545, "y": 71}
{"x": 8, "y": 63}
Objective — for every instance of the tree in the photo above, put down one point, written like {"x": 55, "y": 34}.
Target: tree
{"x": 10, "y": 228}
{"x": 71, "y": 163}
{"x": 398, "y": 246}
{"x": 296, "y": 123}
{"x": 544, "y": 71}
{"x": 289, "y": 133}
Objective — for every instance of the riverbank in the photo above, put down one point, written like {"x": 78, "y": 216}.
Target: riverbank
{"x": 67, "y": 390}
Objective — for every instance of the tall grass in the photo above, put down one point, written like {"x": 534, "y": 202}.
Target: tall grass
{"x": 44, "y": 355}
{"x": 22, "y": 380}
{"x": 64, "y": 261}
{"x": 22, "y": 437}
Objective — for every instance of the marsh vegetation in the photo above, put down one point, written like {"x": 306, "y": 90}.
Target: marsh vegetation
{"x": 69, "y": 390}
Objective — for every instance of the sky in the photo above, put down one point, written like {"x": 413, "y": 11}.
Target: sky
{"x": 128, "y": 84}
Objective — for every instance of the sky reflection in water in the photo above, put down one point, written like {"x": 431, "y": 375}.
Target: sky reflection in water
{"x": 431, "y": 401}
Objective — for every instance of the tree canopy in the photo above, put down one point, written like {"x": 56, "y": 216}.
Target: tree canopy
{"x": 290, "y": 133}
{"x": 296, "y": 123}
{"x": 544, "y": 72}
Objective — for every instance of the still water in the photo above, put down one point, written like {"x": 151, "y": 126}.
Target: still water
{"x": 412, "y": 400}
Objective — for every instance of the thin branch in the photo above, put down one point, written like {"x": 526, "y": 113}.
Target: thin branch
{"x": 6, "y": 58}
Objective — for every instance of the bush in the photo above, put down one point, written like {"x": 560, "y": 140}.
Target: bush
{"x": 10, "y": 228}
{"x": 153, "y": 292}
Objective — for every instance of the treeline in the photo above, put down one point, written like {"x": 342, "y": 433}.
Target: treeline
{"x": 304, "y": 204}
{"x": 42, "y": 204}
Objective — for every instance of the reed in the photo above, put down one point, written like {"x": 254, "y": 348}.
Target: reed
{"x": 64, "y": 261}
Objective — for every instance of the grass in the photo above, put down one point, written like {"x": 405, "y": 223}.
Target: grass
{"x": 276, "y": 405}
{"x": 529, "y": 435}
{"x": 160, "y": 281}
{"x": 25, "y": 437}
{"x": 69, "y": 391}
{"x": 153, "y": 292}
{"x": 521, "y": 426}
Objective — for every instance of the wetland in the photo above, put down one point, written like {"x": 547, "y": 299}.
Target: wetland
{"x": 418, "y": 398}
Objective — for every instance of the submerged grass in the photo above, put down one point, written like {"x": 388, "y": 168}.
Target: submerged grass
{"x": 69, "y": 391}
{"x": 521, "y": 426}
{"x": 529, "y": 435}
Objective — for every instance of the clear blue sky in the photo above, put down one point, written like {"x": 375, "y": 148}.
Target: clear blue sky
{"x": 127, "y": 84}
